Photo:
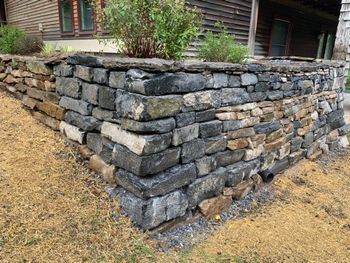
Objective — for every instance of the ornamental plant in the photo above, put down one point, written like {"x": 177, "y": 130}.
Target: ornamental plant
{"x": 222, "y": 47}
{"x": 151, "y": 28}
{"x": 9, "y": 39}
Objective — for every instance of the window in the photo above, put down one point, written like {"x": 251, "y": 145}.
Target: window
{"x": 280, "y": 38}
{"x": 86, "y": 16}
{"x": 66, "y": 15}
{"x": 325, "y": 45}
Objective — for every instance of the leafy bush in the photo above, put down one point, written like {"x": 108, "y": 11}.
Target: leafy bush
{"x": 151, "y": 28}
{"x": 28, "y": 44}
{"x": 222, "y": 47}
{"x": 9, "y": 39}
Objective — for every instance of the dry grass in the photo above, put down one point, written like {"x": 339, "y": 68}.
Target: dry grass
{"x": 51, "y": 210}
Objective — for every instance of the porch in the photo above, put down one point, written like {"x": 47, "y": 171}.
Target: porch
{"x": 305, "y": 28}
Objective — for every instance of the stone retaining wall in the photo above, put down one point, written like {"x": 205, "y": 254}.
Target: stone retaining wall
{"x": 174, "y": 135}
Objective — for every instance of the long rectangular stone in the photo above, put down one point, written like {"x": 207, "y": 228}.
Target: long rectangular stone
{"x": 151, "y": 213}
{"x": 156, "y": 126}
{"x": 79, "y": 106}
{"x": 145, "y": 165}
{"x": 206, "y": 187}
{"x": 241, "y": 171}
{"x": 143, "y": 108}
{"x": 139, "y": 144}
{"x": 159, "y": 184}
{"x": 51, "y": 109}
{"x": 73, "y": 133}
{"x": 86, "y": 123}
{"x": 185, "y": 134}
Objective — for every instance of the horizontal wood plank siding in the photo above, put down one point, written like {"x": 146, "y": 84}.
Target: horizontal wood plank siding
{"x": 235, "y": 14}
{"x": 304, "y": 32}
{"x": 28, "y": 14}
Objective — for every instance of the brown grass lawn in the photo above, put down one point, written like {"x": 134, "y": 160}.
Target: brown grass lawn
{"x": 52, "y": 210}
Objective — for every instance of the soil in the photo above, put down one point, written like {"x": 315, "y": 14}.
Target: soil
{"x": 52, "y": 209}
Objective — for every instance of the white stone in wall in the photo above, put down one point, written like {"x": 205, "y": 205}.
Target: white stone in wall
{"x": 71, "y": 132}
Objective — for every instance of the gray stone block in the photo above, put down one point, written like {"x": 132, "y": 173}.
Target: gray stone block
{"x": 159, "y": 184}
{"x": 241, "y": 171}
{"x": 234, "y": 81}
{"x": 210, "y": 129}
{"x": 151, "y": 213}
{"x": 205, "y": 165}
{"x": 139, "y": 144}
{"x": 248, "y": 79}
{"x": 308, "y": 139}
{"x": 84, "y": 73}
{"x": 86, "y": 123}
{"x": 206, "y": 115}
{"x": 275, "y": 95}
{"x": 101, "y": 146}
{"x": 100, "y": 75}
{"x": 185, "y": 119}
{"x": 185, "y": 134}
{"x": 90, "y": 93}
{"x": 192, "y": 150}
{"x": 202, "y": 100}
{"x": 105, "y": 115}
{"x": 62, "y": 70}
{"x": 296, "y": 144}
{"x": 220, "y": 80}
{"x": 267, "y": 127}
{"x": 79, "y": 106}
{"x": 42, "y": 95}
{"x": 262, "y": 87}
{"x": 206, "y": 187}
{"x": 145, "y": 165}
{"x": 117, "y": 80}
{"x": 156, "y": 126}
{"x": 70, "y": 87}
{"x": 280, "y": 166}
{"x": 231, "y": 125}
{"x": 228, "y": 157}
{"x": 215, "y": 144}
{"x": 257, "y": 96}
{"x": 142, "y": 108}
{"x": 106, "y": 98}
{"x": 234, "y": 96}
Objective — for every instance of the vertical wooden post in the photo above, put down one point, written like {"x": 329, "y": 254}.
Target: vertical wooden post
{"x": 253, "y": 26}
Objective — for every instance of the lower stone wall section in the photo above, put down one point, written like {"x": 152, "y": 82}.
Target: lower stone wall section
{"x": 175, "y": 136}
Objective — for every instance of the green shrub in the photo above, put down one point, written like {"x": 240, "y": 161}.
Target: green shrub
{"x": 151, "y": 28}
{"x": 9, "y": 39}
{"x": 222, "y": 47}
{"x": 28, "y": 44}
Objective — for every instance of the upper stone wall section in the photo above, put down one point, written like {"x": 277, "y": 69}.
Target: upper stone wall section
{"x": 161, "y": 65}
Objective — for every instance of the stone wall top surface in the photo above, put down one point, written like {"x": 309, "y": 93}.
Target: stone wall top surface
{"x": 161, "y": 65}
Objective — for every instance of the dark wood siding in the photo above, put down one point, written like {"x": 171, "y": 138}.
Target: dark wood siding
{"x": 304, "y": 32}
{"x": 235, "y": 14}
{"x": 27, "y": 15}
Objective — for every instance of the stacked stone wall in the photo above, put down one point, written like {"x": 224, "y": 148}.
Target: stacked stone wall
{"x": 172, "y": 135}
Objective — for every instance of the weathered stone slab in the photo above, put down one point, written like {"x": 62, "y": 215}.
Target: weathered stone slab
{"x": 51, "y": 109}
{"x": 240, "y": 171}
{"x": 228, "y": 157}
{"x": 105, "y": 115}
{"x": 70, "y": 87}
{"x": 206, "y": 187}
{"x": 145, "y": 165}
{"x": 234, "y": 96}
{"x": 185, "y": 119}
{"x": 139, "y": 144}
{"x": 100, "y": 75}
{"x": 215, "y": 205}
{"x": 150, "y": 213}
{"x": 117, "y": 79}
{"x": 142, "y": 108}
{"x": 185, "y": 134}
{"x": 207, "y": 115}
{"x": 192, "y": 150}
{"x": 84, "y": 73}
{"x": 159, "y": 184}
{"x": 48, "y": 121}
{"x": 90, "y": 93}
{"x": 156, "y": 126}
{"x": 267, "y": 127}
{"x": 43, "y": 95}
{"x": 86, "y": 123}
{"x": 79, "y": 106}
{"x": 167, "y": 83}
{"x": 210, "y": 129}
{"x": 106, "y": 98}
{"x": 202, "y": 100}
{"x": 63, "y": 70}
{"x": 215, "y": 144}
{"x": 205, "y": 165}
{"x": 248, "y": 79}
{"x": 73, "y": 133}
{"x": 39, "y": 67}
{"x": 100, "y": 145}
